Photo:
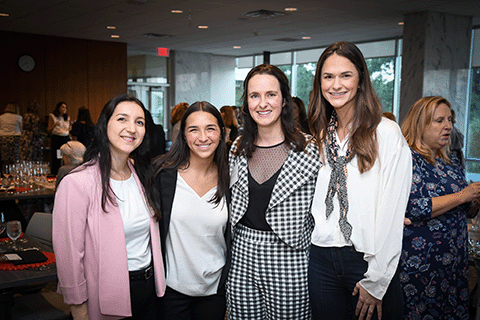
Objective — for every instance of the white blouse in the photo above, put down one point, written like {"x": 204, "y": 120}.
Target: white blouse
{"x": 195, "y": 246}
{"x": 136, "y": 222}
{"x": 377, "y": 202}
{"x": 61, "y": 126}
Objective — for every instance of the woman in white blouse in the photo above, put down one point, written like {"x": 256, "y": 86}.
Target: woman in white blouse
{"x": 59, "y": 128}
{"x": 361, "y": 193}
{"x": 193, "y": 181}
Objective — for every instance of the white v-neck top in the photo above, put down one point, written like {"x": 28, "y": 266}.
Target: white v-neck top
{"x": 195, "y": 246}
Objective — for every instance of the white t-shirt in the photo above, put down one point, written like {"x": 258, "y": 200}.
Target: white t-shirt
{"x": 377, "y": 201}
{"x": 61, "y": 126}
{"x": 136, "y": 222}
{"x": 195, "y": 246}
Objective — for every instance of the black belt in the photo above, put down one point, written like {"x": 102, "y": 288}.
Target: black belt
{"x": 143, "y": 274}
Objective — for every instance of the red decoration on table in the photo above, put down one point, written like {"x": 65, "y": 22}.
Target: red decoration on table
{"x": 9, "y": 266}
{"x": 5, "y": 239}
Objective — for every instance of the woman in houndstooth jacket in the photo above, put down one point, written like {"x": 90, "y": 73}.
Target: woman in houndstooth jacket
{"x": 273, "y": 169}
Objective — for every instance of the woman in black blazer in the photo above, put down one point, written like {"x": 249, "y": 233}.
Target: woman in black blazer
{"x": 193, "y": 180}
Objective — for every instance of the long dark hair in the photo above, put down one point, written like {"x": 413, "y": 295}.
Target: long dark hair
{"x": 249, "y": 135}
{"x": 302, "y": 115}
{"x": 367, "y": 112}
{"x": 56, "y": 111}
{"x": 179, "y": 154}
{"x": 84, "y": 115}
{"x": 99, "y": 152}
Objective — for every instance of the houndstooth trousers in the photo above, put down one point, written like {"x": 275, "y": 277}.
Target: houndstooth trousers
{"x": 267, "y": 279}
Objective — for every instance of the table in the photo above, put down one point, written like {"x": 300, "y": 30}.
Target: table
{"x": 12, "y": 279}
{"x": 39, "y": 194}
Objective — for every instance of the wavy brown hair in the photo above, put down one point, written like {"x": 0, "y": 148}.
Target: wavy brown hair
{"x": 367, "y": 113}
{"x": 293, "y": 136}
{"x": 418, "y": 118}
{"x": 177, "y": 112}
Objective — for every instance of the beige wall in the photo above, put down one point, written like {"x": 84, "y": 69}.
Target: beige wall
{"x": 79, "y": 72}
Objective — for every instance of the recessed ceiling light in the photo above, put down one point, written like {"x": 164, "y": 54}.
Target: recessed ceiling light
{"x": 306, "y": 38}
{"x": 290, "y": 9}
{"x": 111, "y": 27}
{"x": 115, "y": 36}
{"x": 400, "y": 23}
{"x": 4, "y": 15}
{"x": 176, "y": 11}
{"x": 237, "y": 47}
{"x": 202, "y": 27}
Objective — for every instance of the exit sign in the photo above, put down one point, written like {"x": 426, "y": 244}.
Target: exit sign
{"x": 163, "y": 52}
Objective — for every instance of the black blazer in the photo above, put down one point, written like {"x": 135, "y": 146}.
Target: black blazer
{"x": 166, "y": 181}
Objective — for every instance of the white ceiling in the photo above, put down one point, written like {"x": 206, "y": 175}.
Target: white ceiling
{"x": 324, "y": 21}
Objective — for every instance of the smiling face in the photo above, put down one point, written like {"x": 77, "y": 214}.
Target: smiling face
{"x": 63, "y": 109}
{"x": 202, "y": 134}
{"x": 437, "y": 133}
{"x": 126, "y": 128}
{"x": 339, "y": 82}
{"x": 265, "y": 101}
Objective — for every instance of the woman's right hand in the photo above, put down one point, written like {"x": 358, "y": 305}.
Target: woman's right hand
{"x": 79, "y": 311}
{"x": 471, "y": 192}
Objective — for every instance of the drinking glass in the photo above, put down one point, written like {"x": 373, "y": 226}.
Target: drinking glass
{"x": 14, "y": 229}
{"x": 6, "y": 169}
{"x": 3, "y": 223}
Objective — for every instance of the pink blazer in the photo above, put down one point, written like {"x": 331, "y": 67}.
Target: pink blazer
{"x": 90, "y": 247}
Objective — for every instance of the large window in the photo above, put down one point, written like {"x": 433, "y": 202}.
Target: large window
{"x": 383, "y": 77}
{"x": 472, "y": 149}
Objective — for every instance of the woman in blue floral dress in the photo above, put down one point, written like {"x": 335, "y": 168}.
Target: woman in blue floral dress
{"x": 434, "y": 261}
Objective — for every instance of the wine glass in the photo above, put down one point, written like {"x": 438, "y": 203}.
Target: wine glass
{"x": 14, "y": 229}
{"x": 3, "y": 223}
{"x": 6, "y": 171}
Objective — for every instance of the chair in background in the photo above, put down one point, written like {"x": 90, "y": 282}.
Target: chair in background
{"x": 40, "y": 228}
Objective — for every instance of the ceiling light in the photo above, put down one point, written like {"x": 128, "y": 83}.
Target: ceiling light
{"x": 202, "y": 27}
{"x": 111, "y": 27}
{"x": 176, "y": 11}
{"x": 115, "y": 36}
{"x": 306, "y": 38}
{"x": 4, "y": 15}
{"x": 237, "y": 47}
{"x": 400, "y": 23}
{"x": 290, "y": 9}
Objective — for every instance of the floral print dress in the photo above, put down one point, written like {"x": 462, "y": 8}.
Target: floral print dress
{"x": 434, "y": 261}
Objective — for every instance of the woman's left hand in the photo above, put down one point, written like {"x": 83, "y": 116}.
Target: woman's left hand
{"x": 366, "y": 304}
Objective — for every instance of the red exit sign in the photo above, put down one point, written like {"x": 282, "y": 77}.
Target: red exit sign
{"x": 163, "y": 52}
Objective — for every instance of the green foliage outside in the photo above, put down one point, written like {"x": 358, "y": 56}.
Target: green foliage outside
{"x": 382, "y": 75}
{"x": 473, "y": 134}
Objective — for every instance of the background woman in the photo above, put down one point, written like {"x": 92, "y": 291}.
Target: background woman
{"x": 193, "y": 179}
{"x": 59, "y": 128}
{"x": 231, "y": 125}
{"x": 273, "y": 170}
{"x": 361, "y": 193}
{"x": 105, "y": 230}
{"x": 175, "y": 117}
{"x": 10, "y": 131}
{"x": 72, "y": 156}
{"x": 434, "y": 264}
{"x": 82, "y": 129}
{"x": 31, "y": 139}
{"x": 300, "y": 115}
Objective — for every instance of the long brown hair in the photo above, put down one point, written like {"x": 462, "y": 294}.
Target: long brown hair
{"x": 418, "y": 118}
{"x": 249, "y": 135}
{"x": 367, "y": 112}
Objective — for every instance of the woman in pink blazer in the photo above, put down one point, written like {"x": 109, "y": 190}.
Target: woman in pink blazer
{"x": 105, "y": 230}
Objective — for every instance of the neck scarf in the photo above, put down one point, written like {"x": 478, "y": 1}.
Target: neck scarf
{"x": 338, "y": 177}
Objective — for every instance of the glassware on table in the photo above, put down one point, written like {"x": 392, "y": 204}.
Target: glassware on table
{"x": 14, "y": 230}
{"x": 3, "y": 226}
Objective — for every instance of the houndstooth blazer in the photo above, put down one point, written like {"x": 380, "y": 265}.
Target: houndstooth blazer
{"x": 289, "y": 210}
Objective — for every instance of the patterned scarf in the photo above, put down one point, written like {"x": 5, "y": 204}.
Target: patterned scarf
{"x": 338, "y": 177}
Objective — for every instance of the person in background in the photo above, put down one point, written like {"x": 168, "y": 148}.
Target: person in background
{"x": 175, "y": 117}
{"x": 83, "y": 128}
{"x": 361, "y": 193}
{"x": 273, "y": 169}
{"x": 456, "y": 141}
{"x": 390, "y": 116}
{"x": 193, "y": 181}
{"x": 72, "y": 156}
{"x": 157, "y": 137}
{"x": 434, "y": 263}
{"x": 59, "y": 128}
{"x": 105, "y": 222}
{"x": 300, "y": 115}
{"x": 231, "y": 125}
{"x": 10, "y": 132}
{"x": 31, "y": 139}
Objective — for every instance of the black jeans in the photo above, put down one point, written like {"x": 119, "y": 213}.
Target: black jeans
{"x": 332, "y": 276}
{"x": 178, "y": 306}
{"x": 143, "y": 299}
